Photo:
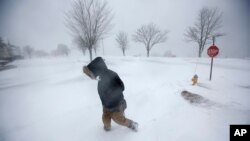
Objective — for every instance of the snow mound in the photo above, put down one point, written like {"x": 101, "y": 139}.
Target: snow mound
{"x": 197, "y": 99}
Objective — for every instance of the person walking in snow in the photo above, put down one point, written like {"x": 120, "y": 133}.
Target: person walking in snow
{"x": 110, "y": 89}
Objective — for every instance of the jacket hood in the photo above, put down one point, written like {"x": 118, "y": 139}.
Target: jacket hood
{"x": 97, "y": 66}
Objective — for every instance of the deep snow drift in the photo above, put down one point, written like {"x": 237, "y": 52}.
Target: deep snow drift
{"x": 51, "y": 100}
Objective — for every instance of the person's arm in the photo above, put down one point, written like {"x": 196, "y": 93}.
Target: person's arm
{"x": 119, "y": 82}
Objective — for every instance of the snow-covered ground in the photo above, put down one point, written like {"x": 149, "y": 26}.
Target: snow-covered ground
{"x": 51, "y": 100}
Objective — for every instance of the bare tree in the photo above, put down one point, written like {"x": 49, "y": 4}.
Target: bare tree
{"x": 63, "y": 49}
{"x": 96, "y": 46}
{"x": 90, "y": 20}
{"x": 28, "y": 51}
{"x": 122, "y": 40}
{"x": 40, "y": 53}
{"x": 80, "y": 44}
{"x": 150, "y": 35}
{"x": 208, "y": 23}
{"x": 1, "y": 42}
{"x": 4, "y": 53}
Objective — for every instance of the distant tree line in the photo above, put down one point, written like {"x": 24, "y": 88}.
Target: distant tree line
{"x": 31, "y": 52}
{"x": 61, "y": 50}
{"x": 10, "y": 52}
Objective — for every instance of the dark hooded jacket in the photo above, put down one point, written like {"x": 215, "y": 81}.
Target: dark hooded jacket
{"x": 110, "y": 86}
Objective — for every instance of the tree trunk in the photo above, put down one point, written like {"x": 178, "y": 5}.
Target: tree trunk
{"x": 90, "y": 53}
{"x": 148, "y": 49}
{"x": 95, "y": 51}
{"x": 123, "y": 51}
{"x": 83, "y": 52}
{"x": 199, "y": 53}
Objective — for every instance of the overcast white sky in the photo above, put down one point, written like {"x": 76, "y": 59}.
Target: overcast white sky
{"x": 41, "y": 24}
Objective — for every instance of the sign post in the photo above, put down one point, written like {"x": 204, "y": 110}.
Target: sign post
{"x": 212, "y": 51}
{"x": 211, "y": 68}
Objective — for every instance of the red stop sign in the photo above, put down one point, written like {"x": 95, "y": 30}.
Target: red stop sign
{"x": 213, "y": 51}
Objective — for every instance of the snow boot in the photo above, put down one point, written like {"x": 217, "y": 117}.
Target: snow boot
{"x": 107, "y": 128}
{"x": 134, "y": 126}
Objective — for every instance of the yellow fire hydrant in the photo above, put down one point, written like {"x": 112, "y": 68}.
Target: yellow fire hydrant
{"x": 195, "y": 79}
